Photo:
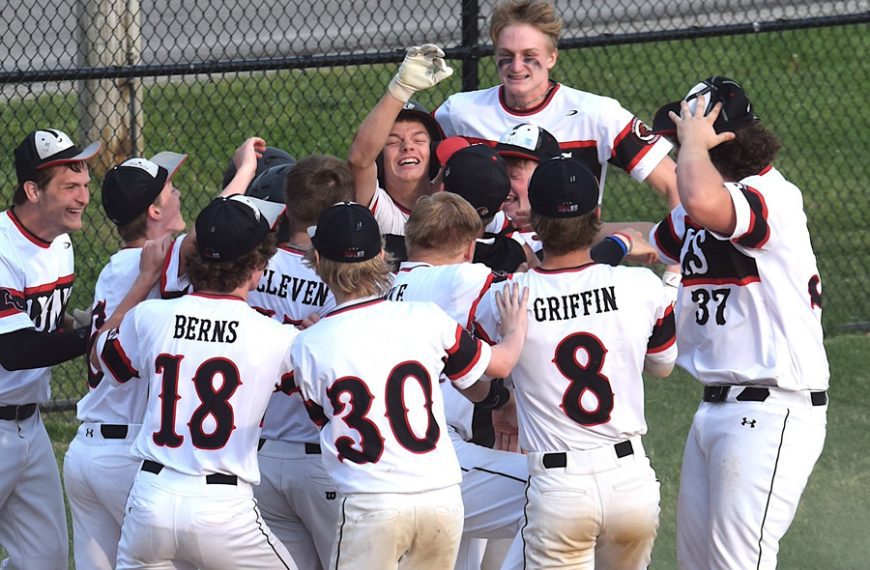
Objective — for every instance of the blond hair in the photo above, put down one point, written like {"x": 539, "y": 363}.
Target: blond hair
{"x": 443, "y": 222}
{"x": 564, "y": 235}
{"x": 539, "y": 14}
{"x": 372, "y": 277}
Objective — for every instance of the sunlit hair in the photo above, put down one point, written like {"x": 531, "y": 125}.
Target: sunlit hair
{"x": 564, "y": 235}
{"x": 443, "y": 222}
{"x": 539, "y": 14}
{"x": 372, "y": 277}
{"x": 314, "y": 184}
{"x": 227, "y": 276}
{"x": 749, "y": 153}
{"x": 43, "y": 177}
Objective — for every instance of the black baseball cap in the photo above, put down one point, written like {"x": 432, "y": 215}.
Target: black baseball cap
{"x": 480, "y": 175}
{"x": 414, "y": 111}
{"x": 231, "y": 226}
{"x": 528, "y": 141}
{"x": 346, "y": 232}
{"x": 45, "y": 148}
{"x": 563, "y": 187}
{"x": 272, "y": 156}
{"x": 736, "y": 108}
{"x": 130, "y": 187}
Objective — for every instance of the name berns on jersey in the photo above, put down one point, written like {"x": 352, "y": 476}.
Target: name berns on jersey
{"x": 205, "y": 330}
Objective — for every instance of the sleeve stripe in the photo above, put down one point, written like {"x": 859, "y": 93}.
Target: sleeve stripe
{"x": 664, "y": 333}
{"x": 470, "y": 323}
{"x": 49, "y": 287}
{"x": 462, "y": 356}
{"x": 118, "y": 362}
{"x": 666, "y": 239}
{"x": 759, "y": 231}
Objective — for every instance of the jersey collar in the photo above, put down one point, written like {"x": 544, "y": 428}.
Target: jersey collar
{"x": 531, "y": 111}
{"x": 31, "y": 237}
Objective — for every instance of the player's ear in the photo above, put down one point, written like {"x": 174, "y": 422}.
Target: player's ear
{"x": 596, "y": 214}
{"x": 469, "y": 251}
{"x": 154, "y": 212}
{"x": 551, "y": 60}
{"x": 31, "y": 191}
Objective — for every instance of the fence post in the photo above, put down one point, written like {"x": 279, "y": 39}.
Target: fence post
{"x": 470, "y": 40}
{"x": 111, "y": 110}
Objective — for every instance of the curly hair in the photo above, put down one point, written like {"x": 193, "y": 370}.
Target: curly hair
{"x": 227, "y": 276}
{"x": 754, "y": 148}
{"x": 564, "y": 235}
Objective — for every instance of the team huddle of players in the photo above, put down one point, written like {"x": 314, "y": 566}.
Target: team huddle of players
{"x": 404, "y": 359}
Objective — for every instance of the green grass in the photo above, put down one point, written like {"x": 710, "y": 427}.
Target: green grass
{"x": 830, "y": 529}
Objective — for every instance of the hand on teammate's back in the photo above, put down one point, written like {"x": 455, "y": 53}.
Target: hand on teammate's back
{"x": 512, "y": 307}
{"x": 423, "y": 67}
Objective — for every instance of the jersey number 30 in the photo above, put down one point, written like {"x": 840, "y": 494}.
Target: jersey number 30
{"x": 584, "y": 378}
{"x": 371, "y": 444}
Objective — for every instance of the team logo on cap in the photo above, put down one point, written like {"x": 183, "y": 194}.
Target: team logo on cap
{"x": 353, "y": 253}
{"x": 568, "y": 207}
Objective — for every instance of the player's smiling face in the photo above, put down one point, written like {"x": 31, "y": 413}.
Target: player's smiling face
{"x": 61, "y": 203}
{"x": 524, "y": 57}
{"x": 406, "y": 154}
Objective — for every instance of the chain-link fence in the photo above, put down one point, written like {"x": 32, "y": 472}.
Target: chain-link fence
{"x": 199, "y": 77}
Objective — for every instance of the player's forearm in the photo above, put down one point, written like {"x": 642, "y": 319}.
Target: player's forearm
{"x": 26, "y": 349}
{"x": 658, "y": 369}
{"x": 505, "y": 355}
{"x": 663, "y": 178}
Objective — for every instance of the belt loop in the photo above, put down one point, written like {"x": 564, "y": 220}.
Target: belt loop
{"x": 819, "y": 398}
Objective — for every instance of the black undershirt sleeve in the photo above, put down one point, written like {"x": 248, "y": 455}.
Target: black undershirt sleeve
{"x": 25, "y": 348}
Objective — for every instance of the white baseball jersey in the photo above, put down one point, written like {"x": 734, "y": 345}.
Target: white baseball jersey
{"x": 595, "y": 129}
{"x": 749, "y": 308}
{"x": 290, "y": 291}
{"x": 173, "y": 284}
{"x": 211, "y": 363}
{"x": 373, "y": 366}
{"x": 36, "y": 279}
{"x": 391, "y": 216}
{"x": 105, "y": 402}
{"x": 456, "y": 289}
{"x": 578, "y": 380}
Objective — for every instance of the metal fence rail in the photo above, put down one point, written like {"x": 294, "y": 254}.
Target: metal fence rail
{"x": 198, "y": 77}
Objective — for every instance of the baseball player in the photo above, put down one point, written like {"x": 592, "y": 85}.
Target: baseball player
{"x": 210, "y": 363}
{"x": 383, "y": 437}
{"x": 140, "y": 199}
{"x": 441, "y": 236}
{"x": 398, "y": 136}
{"x": 593, "y": 499}
{"x": 748, "y": 328}
{"x": 594, "y": 129}
{"x": 36, "y": 278}
{"x": 297, "y": 497}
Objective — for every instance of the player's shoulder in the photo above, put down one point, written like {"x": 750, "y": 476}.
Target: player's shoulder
{"x": 591, "y": 103}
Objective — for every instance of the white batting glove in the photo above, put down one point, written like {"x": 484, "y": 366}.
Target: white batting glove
{"x": 423, "y": 67}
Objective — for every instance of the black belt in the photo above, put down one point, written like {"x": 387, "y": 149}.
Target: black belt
{"x": 310, "y": 448}
{"x": 19, "y": 413}
{"x": 716, "y": 394}
{"x": 555, "y": 460}
{"x": 213, "y": 479}
{"x": 113, "y": 431}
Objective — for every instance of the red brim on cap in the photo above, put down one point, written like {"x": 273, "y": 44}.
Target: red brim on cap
{"x": 89, "y": 152}
{"x": 449, "y": 146}
{"x": 169, "y": 160}
{"x": 662, "y": 123}
{"x": 511, "y": 151}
